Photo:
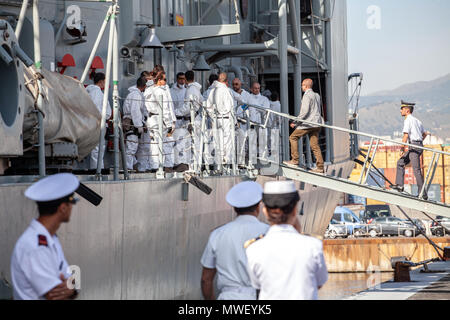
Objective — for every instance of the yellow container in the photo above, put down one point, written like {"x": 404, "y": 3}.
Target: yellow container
{"x": 447, "y": 176}
{"x": 438, "y": 175}
{"x": 371, "y": 201}
{"x": 428, "y": 155}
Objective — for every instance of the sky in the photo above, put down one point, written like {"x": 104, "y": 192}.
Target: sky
{"x": 395, "y": 42}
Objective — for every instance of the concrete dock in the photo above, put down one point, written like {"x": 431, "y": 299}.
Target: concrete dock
{"x": 366, "y": 254}
{"x": 423, "y": 286}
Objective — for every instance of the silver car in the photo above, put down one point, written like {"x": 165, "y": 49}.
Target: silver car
{"x": 335, "y": 229}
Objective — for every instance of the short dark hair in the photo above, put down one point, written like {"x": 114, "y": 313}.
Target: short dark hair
{"x": 99, "y": 77}
{"x": 51, "y": 207}
{"x": 212, "y": 77}
{"x": 179, "y": 74}
{"x": 274, "y": 96}
{"x": 145, "y": 73}
{"x": 141, "y": 82}
{"x": 251, "y": 209}
{"x": 411, "y": 108}
{"x": 190, "y": 75}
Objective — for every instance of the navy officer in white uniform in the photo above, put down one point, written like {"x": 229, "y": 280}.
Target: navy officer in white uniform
{"x": 413, "y": 133}
{"x": 284, "y": 264}
{"x": 39, "y": 269}
{"x": 224, "y": 254}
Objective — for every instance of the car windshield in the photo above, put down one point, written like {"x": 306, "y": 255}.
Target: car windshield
{"x": 377, "y": 212}
{"x": 334, "y": 221}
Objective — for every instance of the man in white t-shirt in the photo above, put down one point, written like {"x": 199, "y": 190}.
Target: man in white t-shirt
{"x": 413, "y": 133}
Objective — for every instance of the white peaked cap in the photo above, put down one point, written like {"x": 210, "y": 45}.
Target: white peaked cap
{"x": 53, "y": 187}
{"x": 245, "y": 194}
{"x": 279, "y": 187}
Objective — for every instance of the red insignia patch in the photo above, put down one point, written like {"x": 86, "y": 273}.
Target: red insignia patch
{"x": 42, "y": 240}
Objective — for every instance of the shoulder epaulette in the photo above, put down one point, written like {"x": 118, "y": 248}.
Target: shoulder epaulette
{"x": 42, "y": 240}
{"x": 251, "y": 241}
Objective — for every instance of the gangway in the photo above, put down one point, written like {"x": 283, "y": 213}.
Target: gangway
{"x": 361, "y": 188}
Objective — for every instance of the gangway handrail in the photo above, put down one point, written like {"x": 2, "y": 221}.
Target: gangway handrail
{"x": 268, "y": 111}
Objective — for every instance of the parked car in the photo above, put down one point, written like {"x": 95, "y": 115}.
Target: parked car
{"x": 335, "y": 229}
{"x": 374, "y": 211}
{"x": 438, "y": 230}
{"x": 346, "y": 217}
{"x": 420, "y": 228}
{"x": 391, "y": 226}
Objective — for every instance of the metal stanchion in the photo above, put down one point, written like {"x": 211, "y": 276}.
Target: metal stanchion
{"x": 38, "y": 66}
{"x": 106, "y": 92}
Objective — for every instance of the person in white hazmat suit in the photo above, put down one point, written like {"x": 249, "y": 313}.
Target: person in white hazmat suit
{"x": 275, "y": 127}
{"x": 160, "y": 91}
{"x": 96, "y": 94}
{"x": 194, "y": 97}
{"x": 134, "y": 117}
{"x": 220, "y": 104}
{"x": 182, "y": 152}
{"x": 208, "y": 143}
{"x": 241, "y": 98}
{"x": 257, "y": 135}
{"x": 143, "y": 152}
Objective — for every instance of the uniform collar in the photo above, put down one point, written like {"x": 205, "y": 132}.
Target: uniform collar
{"x": 246, "y": 217}
{"x": 276, "y": 228}
{"x": 41, "y": 230}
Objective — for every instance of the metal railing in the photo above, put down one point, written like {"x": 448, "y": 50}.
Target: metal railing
{"x": 374, "y": 142}
{"x": 212, "y": 140}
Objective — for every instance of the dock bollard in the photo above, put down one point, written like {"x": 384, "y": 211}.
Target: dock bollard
{"x": 401, "y": 269}
{"x": 447, "y": 253}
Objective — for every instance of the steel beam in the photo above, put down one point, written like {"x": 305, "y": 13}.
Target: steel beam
{"x": 282, "y": 54}
{"x": 189, "y": 33}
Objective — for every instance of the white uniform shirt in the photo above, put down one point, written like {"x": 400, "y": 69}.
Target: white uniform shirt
{"x": 96, "y": 95}
{"x": 134, "y": 107}
{"x": 220, "y": 99}
{"x": 258, "y": 100}
{"x": 37, "y": 263}
{"x": 414, "y": 128}
{"x": 225, "y": 251}
{"x": 286, "y": 265}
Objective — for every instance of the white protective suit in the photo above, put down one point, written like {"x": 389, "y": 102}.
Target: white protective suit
{"x": 221, "y": 103}
{"x": 181, "y": 136}
{"x": 241, "y": 133}
{"x": 257, "y": 117}
{"x": 96, "y": 95}
{"x": 153, "y": 107}
{"x": 194, "y": 96}
{"x": 275, "y": 131}
{"x": 134, "y": 109}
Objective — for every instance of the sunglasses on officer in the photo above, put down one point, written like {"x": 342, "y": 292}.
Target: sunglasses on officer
{"x": 73, "y": 200}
